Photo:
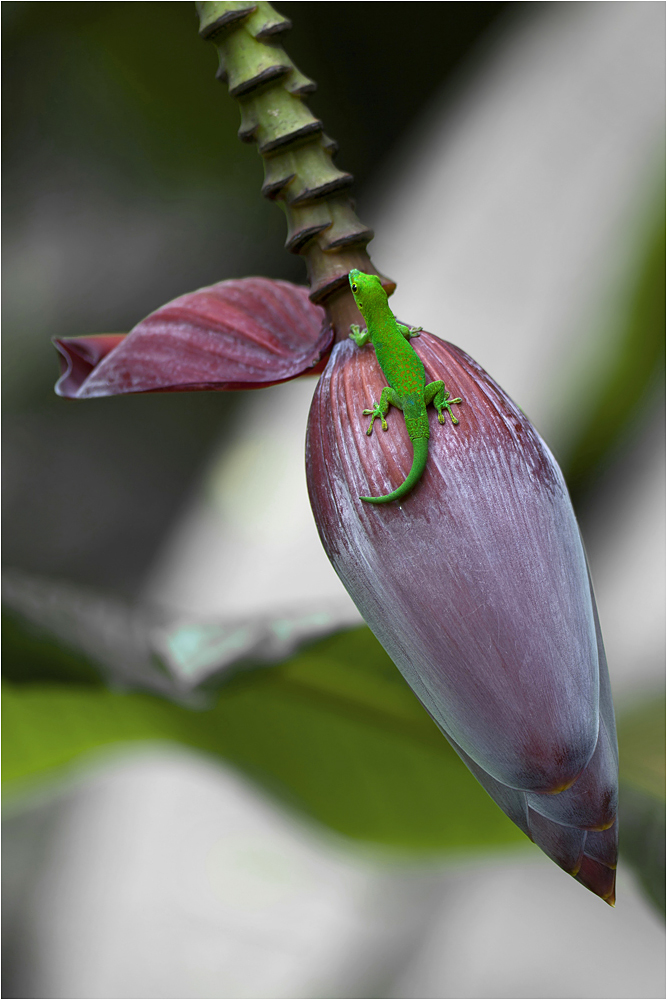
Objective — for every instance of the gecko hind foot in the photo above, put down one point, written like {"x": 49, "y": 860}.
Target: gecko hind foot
{"x": 376, "y": 414}
{"x": 447, "y": 404}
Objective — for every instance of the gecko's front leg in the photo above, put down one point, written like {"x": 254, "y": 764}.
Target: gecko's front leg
{"x": 359, "y": 336}
{"x": 409, "y": 331}
{"x": 387, "y": 399}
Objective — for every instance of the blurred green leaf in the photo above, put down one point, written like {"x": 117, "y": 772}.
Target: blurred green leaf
{"x": 135, "y": 85}
{"x": 641, "y": 734}
{"x": 641, "y": 737}
{"x": 636, "y": 371}
{"x": 334, "y": 731}
{"x": 31, "y": 655}
{"x": 131, "y": 86}
{"x": 642, "y": 840}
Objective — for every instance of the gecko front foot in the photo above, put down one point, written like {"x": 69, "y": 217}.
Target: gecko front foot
{"x": 409, "y": 331}
{"x": 377, "y": 414}
{"x": 359, "y": 336}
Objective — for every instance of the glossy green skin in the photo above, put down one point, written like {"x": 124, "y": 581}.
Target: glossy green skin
{"x": 404, "y": 372}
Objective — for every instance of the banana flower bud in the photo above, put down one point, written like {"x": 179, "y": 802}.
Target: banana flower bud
{"x": 477, "y": 586}
{"x": 475, "y": 582}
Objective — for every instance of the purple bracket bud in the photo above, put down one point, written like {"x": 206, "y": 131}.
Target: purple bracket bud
{"x": 477, "y": 586}
{"x": 476, "y": 583}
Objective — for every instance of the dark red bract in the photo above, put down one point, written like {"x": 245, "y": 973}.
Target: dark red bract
{"x": 477, "y": 586}
{"x": 238, "y": 334}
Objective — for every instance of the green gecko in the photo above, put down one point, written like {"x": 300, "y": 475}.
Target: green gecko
{"x": 404, "y": 372}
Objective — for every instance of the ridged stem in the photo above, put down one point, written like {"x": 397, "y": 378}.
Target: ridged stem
{"x": 299, "y": 172}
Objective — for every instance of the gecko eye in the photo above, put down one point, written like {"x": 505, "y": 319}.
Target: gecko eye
{"x": 354, "y": 288}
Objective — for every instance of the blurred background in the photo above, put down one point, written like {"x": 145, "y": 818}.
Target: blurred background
{"x": 252, "y": 804}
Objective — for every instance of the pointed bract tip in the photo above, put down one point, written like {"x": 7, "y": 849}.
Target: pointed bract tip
{"x": 598, "y": 878}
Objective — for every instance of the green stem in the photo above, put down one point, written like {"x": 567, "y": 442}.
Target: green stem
{"x": 299, "y": 172}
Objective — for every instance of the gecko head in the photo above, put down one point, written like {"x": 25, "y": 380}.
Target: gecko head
{"x": 366, "y": 288}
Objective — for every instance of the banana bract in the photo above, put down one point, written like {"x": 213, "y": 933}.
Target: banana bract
{"x": 477, "y": 586}
{"x": 246, "y": 333}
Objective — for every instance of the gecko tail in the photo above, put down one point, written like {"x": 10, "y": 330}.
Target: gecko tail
{"x": 420, "y": 456}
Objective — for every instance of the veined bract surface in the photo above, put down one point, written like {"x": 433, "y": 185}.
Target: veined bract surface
{"x": 477, "y": 586}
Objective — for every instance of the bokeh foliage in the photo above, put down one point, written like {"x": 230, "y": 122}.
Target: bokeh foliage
{"x": 641, "y": 734}
{"x": 636, "y": 372}
{"x": 334, "y": 731}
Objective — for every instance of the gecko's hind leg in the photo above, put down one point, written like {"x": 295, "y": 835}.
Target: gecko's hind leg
{"x": 436, "y": 393}
{"x": 387, "y": 399}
